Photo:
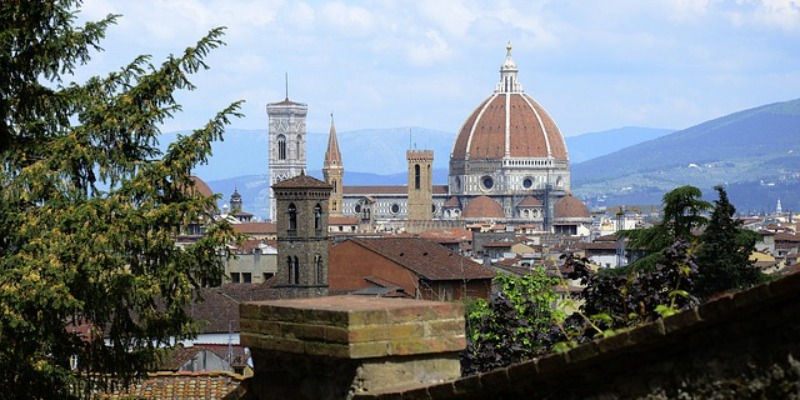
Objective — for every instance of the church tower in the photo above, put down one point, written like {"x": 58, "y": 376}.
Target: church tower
{"x": 420, "y": 185}
{"x": 302, "y": 230}
{"x": 333, "y": 171}
{"x": 287, "y": 143}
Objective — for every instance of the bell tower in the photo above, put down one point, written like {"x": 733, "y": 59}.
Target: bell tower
{"x": 287, "y": 142}
{"x": 420, "y": 185}
{"x": 333, "y": 171}
{"x": 302, "y": 230}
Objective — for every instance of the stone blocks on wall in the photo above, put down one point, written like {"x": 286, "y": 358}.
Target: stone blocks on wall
{"x": 345, "y": 345}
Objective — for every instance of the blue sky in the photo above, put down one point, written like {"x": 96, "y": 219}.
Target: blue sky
{"x": 594, "y": 65}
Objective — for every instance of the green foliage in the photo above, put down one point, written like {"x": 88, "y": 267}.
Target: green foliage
{"x": 724, "y": 253}
{"x": 682, "y": 215}
{"x": 90, "y": 209}
{"x": 513, "y": 325}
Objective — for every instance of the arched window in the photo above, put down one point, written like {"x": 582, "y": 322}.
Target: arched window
{"x": 292, "y": 218}
{"x": 335, "y": 186}
{"x": 281, "y": 147}
{"x": 296, "y": 271}
{"x": 292, "y": 271}
{"x": 318, "y": 268}
{"x": 318, "y": 217}
{"x": 298, "y": 147}
{"x": 416, "y": 176}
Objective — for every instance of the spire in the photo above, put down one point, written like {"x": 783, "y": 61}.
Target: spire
{"x": 287, "y": 85}
{"x": 332, "y": 156}
{"x": 508, "y": 75}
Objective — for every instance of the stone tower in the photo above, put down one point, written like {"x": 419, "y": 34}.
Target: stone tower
{"x": 302, "y": 230}
{"x": 287, "y": 143}
{"x": 420, "y": 185}
{"x": 333, "y": 171}
{"x": 236, "y": 201}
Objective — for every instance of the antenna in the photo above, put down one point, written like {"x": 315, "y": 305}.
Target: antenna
{"x": 287, "y": 85}
{"x": 409, "y": 139}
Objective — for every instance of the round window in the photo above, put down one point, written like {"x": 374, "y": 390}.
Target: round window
{"x": 395, "y": 208}
{"x": 527, "y": 183}
{"x": 487, "y": 182}
{"x": 358, "y": 208}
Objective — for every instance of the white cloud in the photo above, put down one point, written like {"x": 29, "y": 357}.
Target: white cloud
{"x": 434, "y": 49}
{"x": 353, "y": 21}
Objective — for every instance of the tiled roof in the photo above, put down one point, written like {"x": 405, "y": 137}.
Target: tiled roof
{"x": 302, "y": 181}
{"x": 201, "y": 187}
{"x": 571, "y": 207}
{"x": 342, "y": 220}
{"x": 452, "y": 202}
{"x": 530, "y": 201}
{"x": 530, "y": 130}
{"x": 483, "y": 207}
{"x": 182, "y": 385}
{"x": 218, "y": 311}
{"x": 255, "y": 228}
{"x": 426, "y": 258}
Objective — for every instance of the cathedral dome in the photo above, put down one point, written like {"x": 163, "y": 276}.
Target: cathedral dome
{"x": 509, "y": 124}
{"x": 483, "y": 207}
{"x": 569, "y": 207}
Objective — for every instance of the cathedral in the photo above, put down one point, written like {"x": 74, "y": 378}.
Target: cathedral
{"x": 509, "y": 164}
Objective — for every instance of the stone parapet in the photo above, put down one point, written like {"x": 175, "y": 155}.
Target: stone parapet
{"x": 340, "y": 346}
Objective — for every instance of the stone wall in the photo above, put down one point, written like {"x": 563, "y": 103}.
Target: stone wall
{"x": 737, "y": 346}
{"x": 337, "y": 347}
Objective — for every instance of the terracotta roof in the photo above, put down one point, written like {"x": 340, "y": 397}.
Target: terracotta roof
{"x": 571, "y": 207}
{"x": 483, "y": 207}
{"x": 216, "y": 309}
{"x": 452, "y": 202}
{"x": 786, "y": 237}
{"x": 255, "y": 228}
{"x": 182, "y": 385}
{"x": 530, "y": 130}
{"x": 426, "y": 258}
{"x": 286, "y": 102}
{"x": 201, "y": 187}
{"x": 302, "y": 181}
{"x": 530, "y": 201}
{"x": 342, "y": 220}
{"x": 447, "y": 235}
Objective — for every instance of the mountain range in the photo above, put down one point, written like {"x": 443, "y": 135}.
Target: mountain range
{"x": 754, "y": 153}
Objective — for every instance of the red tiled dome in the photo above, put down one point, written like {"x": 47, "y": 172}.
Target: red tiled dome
{"x": 483, "y": 207}
{"x": 570, "y": 207}
{"x": 509, "y": 124}
{"x": 530, "y": 201}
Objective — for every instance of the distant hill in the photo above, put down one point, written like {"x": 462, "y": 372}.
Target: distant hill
{"x": 758, "y": 149}
{"x": 595, "y": 144}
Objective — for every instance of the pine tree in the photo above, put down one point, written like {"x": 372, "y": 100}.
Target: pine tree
{"x": 90, "y": 208}
{"x": 683, "y": 210}
{"x": 723, "y": 257}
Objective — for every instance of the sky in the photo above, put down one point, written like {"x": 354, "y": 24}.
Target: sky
{"x": 594, "y": 65}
